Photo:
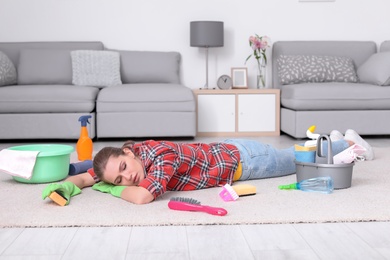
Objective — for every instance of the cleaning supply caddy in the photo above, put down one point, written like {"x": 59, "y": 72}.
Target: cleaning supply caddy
{"x": 324, "y": 166}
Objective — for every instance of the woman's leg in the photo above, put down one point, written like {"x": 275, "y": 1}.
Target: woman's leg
{"x": 264, "y": 161}
{"x": 337, "y": 147}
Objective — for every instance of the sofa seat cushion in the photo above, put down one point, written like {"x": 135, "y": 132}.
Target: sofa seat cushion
{"x": 47, "y": 99}
{"x": 146, "y": 98}
{"x": 335, "y": 96}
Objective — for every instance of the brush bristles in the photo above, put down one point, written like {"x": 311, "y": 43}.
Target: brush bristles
{"x": 186, "y": 200}
{"x": 231, "y": 191}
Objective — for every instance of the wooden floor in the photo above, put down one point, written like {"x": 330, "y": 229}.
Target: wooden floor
{"x": 363, "y": 240}
{"x": 369, "y": 240}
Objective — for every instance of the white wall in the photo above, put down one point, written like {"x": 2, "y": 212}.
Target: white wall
{"x": 163, "y": 25}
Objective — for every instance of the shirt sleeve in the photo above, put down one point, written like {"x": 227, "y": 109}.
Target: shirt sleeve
{"x": 92, "y": 173}
{"x": 159, "y": 174}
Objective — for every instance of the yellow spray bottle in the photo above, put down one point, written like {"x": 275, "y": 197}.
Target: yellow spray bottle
{"x": 84, "y": 146}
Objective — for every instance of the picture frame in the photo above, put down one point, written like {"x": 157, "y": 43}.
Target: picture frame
{"x": 240, "y": 77}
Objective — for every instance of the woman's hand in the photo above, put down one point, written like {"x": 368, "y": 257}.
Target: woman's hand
{"x": 109, "y": 188}
{"x": 133, "y": 194}
{"x": 66, "y": 190}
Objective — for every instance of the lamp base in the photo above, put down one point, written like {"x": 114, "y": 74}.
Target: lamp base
{"x": 206, "y": 87}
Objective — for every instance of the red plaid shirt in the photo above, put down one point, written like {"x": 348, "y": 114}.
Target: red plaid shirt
{"x": 186, "y": 166}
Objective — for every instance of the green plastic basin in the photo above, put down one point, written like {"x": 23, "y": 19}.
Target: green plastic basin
{"x": 52, "y": 162}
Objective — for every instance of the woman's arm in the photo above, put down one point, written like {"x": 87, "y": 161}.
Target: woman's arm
{"x": 70, "y": 187}
{"x": 137, "y": 195}
{"x": 82, "y": 180}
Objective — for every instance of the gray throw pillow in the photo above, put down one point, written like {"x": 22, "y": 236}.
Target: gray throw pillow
{"x": 376, "y": 69}
{"x": 96, "y": 68}
{"x": 8, "y": 74}
{"x": 295, "y": 69}
{"x": 44, "y": 66}
{"x": 150, "y": 67}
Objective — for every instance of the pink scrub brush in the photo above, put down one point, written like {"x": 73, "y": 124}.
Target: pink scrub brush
{"x": 188, "y": 204}
{"x": 228, "y": 193}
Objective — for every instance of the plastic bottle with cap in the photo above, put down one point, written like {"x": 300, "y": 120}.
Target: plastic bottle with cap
{"x": 84, "y": 146}
{"x": 318, "y": 184}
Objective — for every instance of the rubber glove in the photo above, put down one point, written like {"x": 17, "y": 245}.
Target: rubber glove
{"x": 66, "y": 189}
{"x": 109, "y": 188}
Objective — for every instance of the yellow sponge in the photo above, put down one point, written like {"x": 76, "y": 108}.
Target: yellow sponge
{"x": 305, "y": 148}
{"x": 244, "y": 189}
{"x": 57, "y": 198}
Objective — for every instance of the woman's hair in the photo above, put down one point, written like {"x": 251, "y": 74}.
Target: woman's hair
{"x": 129, "y": 145}
{"x": 101, "y": 158}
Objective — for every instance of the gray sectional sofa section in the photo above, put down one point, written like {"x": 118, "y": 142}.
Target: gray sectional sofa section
{"x": 44, "y": 104}
{"x": 151, "y": 102}
{"x": 361, "y": 105}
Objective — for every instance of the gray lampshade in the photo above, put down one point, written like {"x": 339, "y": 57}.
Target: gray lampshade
{"x": 206, "y": 34}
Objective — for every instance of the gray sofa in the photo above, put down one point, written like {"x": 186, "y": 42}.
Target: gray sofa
{"x": 45, "y": 102}
{"x": 334, "y": 98}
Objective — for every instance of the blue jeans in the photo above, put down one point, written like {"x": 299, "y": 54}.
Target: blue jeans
{"x": 264, "y": 161}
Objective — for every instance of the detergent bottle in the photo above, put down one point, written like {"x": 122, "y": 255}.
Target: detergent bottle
{"x": 84, "y": 146}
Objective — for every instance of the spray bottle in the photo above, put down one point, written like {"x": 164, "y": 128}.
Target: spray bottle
{"x": 84, "y": 146}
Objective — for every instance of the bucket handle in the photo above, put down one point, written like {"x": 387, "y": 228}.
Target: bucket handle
{"x": 319, "y": 148}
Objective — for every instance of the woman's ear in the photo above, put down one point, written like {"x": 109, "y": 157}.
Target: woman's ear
{"x": 128, "y": 151}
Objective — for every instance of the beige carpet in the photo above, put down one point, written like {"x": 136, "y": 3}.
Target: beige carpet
{"x": 367, "y": 200}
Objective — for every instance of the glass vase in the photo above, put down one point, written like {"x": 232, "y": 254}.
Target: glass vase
{"x": 261, "y": 74}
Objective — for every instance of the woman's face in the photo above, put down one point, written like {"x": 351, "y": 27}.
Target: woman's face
{"x": 125, "y": 170}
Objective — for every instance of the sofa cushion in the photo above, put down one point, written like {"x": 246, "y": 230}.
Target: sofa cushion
{"x": 47, "y": 99}
{"x": 7, "y": 71}
{"x": 295, "y": 69}
{"x": 146, "y": 97}
{"x": 335, "y": 96}
{"x": 150, "y": 67}
{"x": 38, "y": 66}
{"x": 385, "y": 46}
{"x": 12, "y": 49}
{"x": 376, "y": 70}
{"x": 95, "y": 68}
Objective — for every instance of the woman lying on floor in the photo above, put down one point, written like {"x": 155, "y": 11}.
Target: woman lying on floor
{"x": 139, "y": 173}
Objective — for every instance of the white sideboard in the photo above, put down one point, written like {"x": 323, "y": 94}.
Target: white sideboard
{"x": 238, "y": 112}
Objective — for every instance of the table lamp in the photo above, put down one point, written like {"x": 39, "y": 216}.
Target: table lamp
{"x": 206, "y": 34}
